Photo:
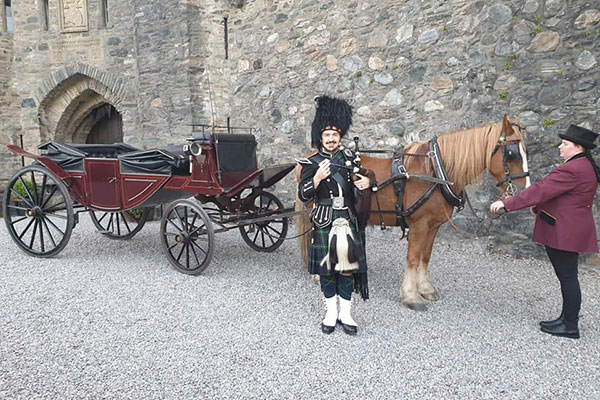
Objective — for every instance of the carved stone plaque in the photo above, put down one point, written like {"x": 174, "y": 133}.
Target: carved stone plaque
{"x": 73, "y": 15}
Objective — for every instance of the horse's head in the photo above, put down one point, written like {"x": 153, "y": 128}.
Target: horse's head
{"x": 508, "y": 164}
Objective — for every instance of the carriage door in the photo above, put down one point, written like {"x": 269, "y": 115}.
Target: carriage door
{"x": 103, "y": 183}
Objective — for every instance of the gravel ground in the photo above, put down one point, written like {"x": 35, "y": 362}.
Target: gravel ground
{"x": 111, "y": 319}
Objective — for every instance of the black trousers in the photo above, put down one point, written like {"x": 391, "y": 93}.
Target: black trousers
{"x": 565, "y": 267}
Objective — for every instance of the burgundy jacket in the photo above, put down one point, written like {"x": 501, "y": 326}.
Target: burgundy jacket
{"x": 563, "y": 206}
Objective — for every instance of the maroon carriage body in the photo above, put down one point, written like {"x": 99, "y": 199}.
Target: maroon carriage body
{"x": 117, "y": 177}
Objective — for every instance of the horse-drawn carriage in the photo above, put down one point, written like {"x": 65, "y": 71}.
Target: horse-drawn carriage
{"x": 117, "y": 184}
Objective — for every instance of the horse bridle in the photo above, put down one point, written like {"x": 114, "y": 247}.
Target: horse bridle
{"x": 510, "y": 152}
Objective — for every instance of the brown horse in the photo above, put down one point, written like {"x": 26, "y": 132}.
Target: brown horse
{"x": 465, "y": 156}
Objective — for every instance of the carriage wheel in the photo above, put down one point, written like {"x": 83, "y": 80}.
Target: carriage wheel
{"x": 38, "y": 212}
{"x": 267, "y": 235}
{"x": 122, "y": 224}
{"x": 187, "y": 236}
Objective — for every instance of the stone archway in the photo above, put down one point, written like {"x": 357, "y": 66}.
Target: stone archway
{"x": 80, "y": 104}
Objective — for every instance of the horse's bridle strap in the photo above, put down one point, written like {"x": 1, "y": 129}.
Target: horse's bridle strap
{"x": 511, "y": 177}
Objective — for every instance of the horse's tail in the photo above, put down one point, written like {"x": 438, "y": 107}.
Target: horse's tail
{"x": 303, "y": 226}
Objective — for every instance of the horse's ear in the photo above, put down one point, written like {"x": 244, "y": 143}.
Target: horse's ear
{"x": 506, "y": 126}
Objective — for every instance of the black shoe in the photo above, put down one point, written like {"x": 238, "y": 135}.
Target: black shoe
{"x": 562, "y": 330}
{"x": 553, "y": 323}
{"x": 348, "y": 329}
{"x": 327, "y": 329}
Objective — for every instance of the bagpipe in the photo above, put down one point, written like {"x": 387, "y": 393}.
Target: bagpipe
{"x": 362, "y": 204}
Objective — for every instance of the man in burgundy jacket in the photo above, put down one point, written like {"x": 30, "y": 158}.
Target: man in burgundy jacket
{"x": 562, "y": 202}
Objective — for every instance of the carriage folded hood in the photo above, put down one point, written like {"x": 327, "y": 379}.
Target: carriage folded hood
{"x": 67, "y": 157}
{"x": 154, "y": 162}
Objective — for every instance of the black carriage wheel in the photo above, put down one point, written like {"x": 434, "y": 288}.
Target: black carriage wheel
{"x": 267, "y": 235}
{"x": 38, "y": 211}
{"x": 120, "y": 225}
{"x": 187, "y": 237}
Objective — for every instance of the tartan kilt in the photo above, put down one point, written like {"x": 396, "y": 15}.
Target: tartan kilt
{"x": 319, "y": 246}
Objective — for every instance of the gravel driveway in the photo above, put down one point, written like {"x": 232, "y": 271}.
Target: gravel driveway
{"x": 111, "y": 319}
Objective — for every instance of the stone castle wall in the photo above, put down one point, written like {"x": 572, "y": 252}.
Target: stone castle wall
{"x": 412, "y": 69}
{"x": 8, "y": 112}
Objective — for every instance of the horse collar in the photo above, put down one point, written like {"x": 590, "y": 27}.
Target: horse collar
{"x": 456, "y": 200}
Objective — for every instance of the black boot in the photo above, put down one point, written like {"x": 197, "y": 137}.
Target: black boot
{"x": 567, "y": 329}
{"x": 553, "y": 323}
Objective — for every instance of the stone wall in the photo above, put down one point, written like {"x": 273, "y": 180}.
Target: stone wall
{"x": 162, "y": 35}
{"x": 9, "y": 129}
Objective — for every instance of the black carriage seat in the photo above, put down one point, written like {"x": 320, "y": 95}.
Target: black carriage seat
{"x": 169, "y": 161}
{"x": 237, "y": 152}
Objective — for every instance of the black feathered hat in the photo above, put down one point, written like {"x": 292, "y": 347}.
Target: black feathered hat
{"x": 579, "y": 135}
{"x": 331, "y": 113}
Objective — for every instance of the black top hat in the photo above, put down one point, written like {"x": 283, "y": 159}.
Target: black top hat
{"x": 579, "y": 135}
{"x": 331, "y": 113}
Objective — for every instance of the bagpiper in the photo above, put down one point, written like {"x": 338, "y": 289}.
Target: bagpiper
{"x": 331, "y": 180}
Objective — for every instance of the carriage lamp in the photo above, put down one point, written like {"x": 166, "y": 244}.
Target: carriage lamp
{"x": 192, "y": 149}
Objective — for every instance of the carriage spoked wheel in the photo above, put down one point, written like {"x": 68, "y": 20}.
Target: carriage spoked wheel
{"x": 120, "y": 225}
{"x": 267, "y": 235}
{"x": 187, "y": 236}
{"x": 38, "y": 211}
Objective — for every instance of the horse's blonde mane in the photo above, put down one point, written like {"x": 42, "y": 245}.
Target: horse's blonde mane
{"x": 465, "y": 154}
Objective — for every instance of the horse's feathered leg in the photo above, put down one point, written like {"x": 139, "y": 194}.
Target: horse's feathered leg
{"x": 425, "y": 288}
{"x": 410, "y": 295}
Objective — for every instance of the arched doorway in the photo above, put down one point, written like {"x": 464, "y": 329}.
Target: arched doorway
{"x": 81, "y": 107}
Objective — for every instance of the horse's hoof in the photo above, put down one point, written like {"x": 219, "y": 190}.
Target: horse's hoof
{"x": 434, "y": 296}
{"x": 416, "y": 306}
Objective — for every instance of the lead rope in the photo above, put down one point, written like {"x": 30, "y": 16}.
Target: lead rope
{"x": 468, "y": 234}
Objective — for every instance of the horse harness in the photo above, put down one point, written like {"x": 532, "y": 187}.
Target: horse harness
{"x": 399, "y": 177}
{"x": 510, "y": 152}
